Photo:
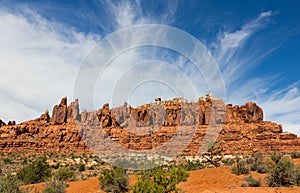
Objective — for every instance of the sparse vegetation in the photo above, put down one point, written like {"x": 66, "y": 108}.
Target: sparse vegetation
{"x": 193, "y": 165}
{"x": 114, "y": 180}
{"x": 281, "y": 173}
{"x": 7, "y": 161}
{"x": 295, "y": 155}
{"x": 251, "y": 182}
{"x": 259, "y": 167}
{"x": 65, "y": 174}
{"x": 38, "y": 171}
{"x": 10, "y": 184}
{"x": 240, "y": 167}
{"x": 228, "y": 162}
{"x": 55, "y": 186}
{"x": 162, "y": 180}
{"x": 81, "y": 167}
{"x": 213, "y": 155}
{"x": 296, "y": 175}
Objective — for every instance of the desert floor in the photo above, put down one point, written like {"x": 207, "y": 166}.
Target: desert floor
{"x": 209, "y": 180}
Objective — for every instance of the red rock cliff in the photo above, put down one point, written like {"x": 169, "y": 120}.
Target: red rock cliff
{"x": 242, "y": 129}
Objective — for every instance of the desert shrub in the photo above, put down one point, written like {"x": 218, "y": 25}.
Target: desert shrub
{"x": 90, "y": 168}
{"x": 64, "y": 174}
{"x": 7, "y": 161}
{"x": 276, "y": 156}
{"x": 251, "y": 182}
{"x": 55, "y": 186}
{"x": 55, "y": 166}
{"x": 240, "y": 167}
{"x": 250, "y": 160}
{"x": 259, "y": 167}
{"x": 10, "y": 184}
{"x": 193, "y": 165}
{"x": 214, "y": 153}
{"x": 295, "y": 155}
{"x": 281, "y": 173}
{"x": 114, "y": 180}
{"x": 160, "y": 180}
{"x": 81, "y": 167}
{"x": 38, "y": 171}
{"x": 24, "y": 161}
{"x": 228, "y": 162}
{"x": 296, "y": 175}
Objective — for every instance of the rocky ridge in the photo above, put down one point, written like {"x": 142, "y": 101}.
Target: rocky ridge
{"x": 240, "y": 129}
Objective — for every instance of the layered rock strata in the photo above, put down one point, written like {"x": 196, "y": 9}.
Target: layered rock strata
{"x": 240, "y": 129}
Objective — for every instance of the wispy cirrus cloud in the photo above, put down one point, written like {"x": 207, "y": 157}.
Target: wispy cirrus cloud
{"x": 283, "y": 106}
{"x": 237, "y": 54}
{"x": 39, "y": 59}
{"x": 229, "y": 50}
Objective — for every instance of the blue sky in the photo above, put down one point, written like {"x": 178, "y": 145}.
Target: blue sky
{"x": 256, "y": 45}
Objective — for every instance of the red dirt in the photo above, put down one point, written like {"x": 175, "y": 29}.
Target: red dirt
{"x": 221, "y": 180}
{"x": 210, "y": 180}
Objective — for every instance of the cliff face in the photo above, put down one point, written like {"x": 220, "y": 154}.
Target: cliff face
{"x": 45, "y": 134}
{"x": 241, "y": 128}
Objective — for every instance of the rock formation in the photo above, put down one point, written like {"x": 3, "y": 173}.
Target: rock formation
{"x": 2, "y": 123}
{"x": 242, "y": 128}
{"x": 12, "y": 122}
{"x": 44, "y": 134}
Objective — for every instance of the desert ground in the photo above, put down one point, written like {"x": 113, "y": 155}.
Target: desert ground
{"x": 208, "y": 180}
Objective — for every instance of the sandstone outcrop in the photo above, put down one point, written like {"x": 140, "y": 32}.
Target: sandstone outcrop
{"x": 44, "y": 134}
{"x": 59, "y": 113}
{"x": 241, "y": 129}
{"x": 12, "y": 122}
{"x": 2, "y": 123}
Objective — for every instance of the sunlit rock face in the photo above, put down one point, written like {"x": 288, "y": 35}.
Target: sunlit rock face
{"x": 242, "y": 128}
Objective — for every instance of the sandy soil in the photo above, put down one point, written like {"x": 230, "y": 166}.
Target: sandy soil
{"x": 220, "y": 180}
{"x": 210, "y": 180}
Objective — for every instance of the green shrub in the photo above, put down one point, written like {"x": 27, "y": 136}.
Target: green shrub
{"x": 251, "y": 182}
{"x": 65, "y": 174}
{"x": 240, "y": 168}
{"x": 196, "y": 165}
{"x": 228, "y": 162}
{"x": 7, "y": 161}
{"x": 214, "y": 153}
{"x": 55, "y": 166}
{"x": 55, "y": 186}
{"x": 250, "y": 160}
{"x": 114, "y": 180}
{"x": 261, "y": 168}
{"x": 281, "y": 173}
{"x": 160, "y": 180}
{"x": 296, "y": 175}
{"x": 276, "y": 156}
{"x": 90, "y": 168}
{"x": 10, "y": 184}
{"x": 295, "y": 155}
{"x": 81, "y": 167}
{"x": 24, "y": 161}
{"x": 38, "y": 171}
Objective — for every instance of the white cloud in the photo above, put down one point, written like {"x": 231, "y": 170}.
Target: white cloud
{"x": 236, "y": 56}
{"x": 128, "y": 13}
{"x": 230, "y": 45}
{"x": 283, "y": 106}
{"x": 39, "y": 60}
